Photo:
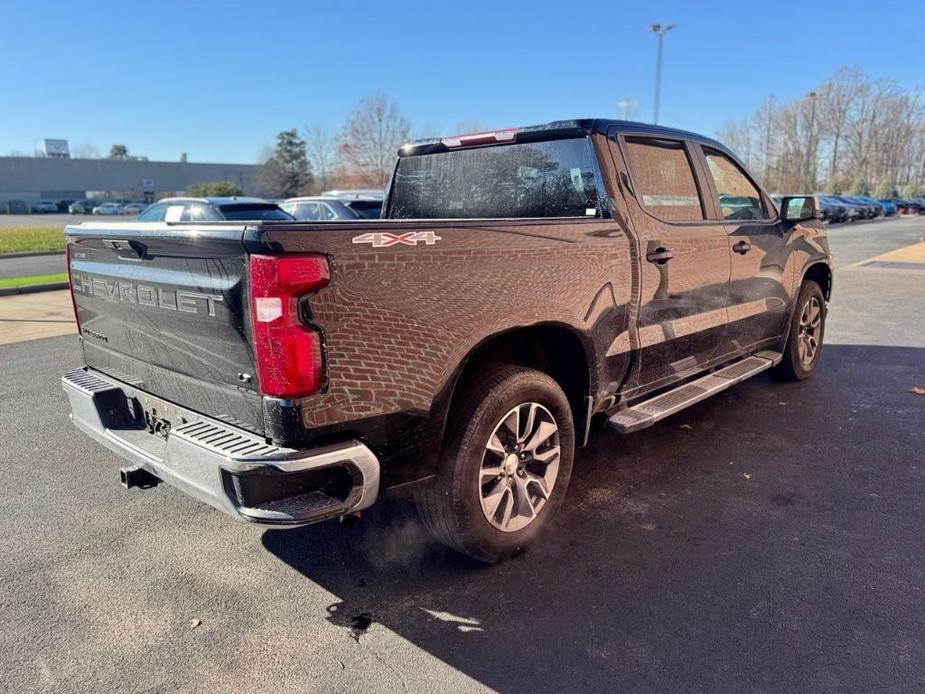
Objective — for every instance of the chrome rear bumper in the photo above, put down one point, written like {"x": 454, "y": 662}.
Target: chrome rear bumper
{"x": 231, "y": 469}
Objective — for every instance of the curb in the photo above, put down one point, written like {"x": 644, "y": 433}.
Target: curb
{"x": 32, "y": 288}
{"x": 29, "y": 254}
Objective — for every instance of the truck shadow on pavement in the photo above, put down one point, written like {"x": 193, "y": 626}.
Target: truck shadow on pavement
{"x": 768, "y": 538}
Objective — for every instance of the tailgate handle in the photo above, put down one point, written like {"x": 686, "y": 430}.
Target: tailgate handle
{"x": 123, "y": 244}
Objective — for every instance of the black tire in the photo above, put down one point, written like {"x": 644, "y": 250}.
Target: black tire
{"x": 450, "y": 505}
{"x": 793, "y": 367}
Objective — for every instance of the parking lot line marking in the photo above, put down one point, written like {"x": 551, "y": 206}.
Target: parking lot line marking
{"x": 910, "y": 254}
{"x": 27, "y": 317}
{"x": 914, "y": 253}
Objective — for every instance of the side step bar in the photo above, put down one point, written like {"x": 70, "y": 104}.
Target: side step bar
{"x": 651, "y": 411}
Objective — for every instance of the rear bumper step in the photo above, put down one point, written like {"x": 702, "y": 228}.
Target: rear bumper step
{"x": 651, "y": 411}
{"x": 224, "y": 466}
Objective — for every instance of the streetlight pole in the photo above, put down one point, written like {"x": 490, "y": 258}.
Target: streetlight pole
{"x": 627, "y": 105}
{"x": 659, "y": 31}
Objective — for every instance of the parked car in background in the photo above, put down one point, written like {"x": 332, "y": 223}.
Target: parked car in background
{"x": 874, "y": 203}
{"x": 889, "y": 207}
{"x": 832, "y": 211}
{"x": 318, "y": 209}
{"x": 868, "y": 211}
{"x": 353, "y": 193}
{"x": 133, "y": 208}
{"x": 365, "y": 202}
{"x": 63, "y": 205}
{"x": 81, "y": 207}
{"x": 904, "y": 206}
{"x": 853, "y": 211}
{"x": 108, "y": 208}
{"x": 44, "y": 206}
{"x": 213, "y": 210}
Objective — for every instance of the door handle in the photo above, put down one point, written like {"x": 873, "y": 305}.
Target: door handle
{"x": 659, "y": 256}
{"x": 742, "y": 247}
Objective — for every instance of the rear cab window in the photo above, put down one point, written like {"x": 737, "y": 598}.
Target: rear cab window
{"x": 554, "y": 178}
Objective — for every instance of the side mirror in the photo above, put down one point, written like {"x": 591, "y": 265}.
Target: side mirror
{"x": 799, "y": 208}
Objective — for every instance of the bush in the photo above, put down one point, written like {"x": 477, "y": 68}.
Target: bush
{"x": 832, "y": 187}
{"x": 214, "y": 189}
{"x": 859, "y": 186}
{"x": 885, "y": 189}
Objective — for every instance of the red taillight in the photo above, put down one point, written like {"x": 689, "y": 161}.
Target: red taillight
{"x": 70, "y": 284}
{"x": 288, "y": 352}
{"x": 475, "y": 139}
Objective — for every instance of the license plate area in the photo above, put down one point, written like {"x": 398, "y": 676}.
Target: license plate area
{"x": 156, "y": 416}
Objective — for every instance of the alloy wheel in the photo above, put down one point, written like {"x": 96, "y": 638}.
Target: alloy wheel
{"x": 810, "y": 332}
{"x": 519, "y": 468}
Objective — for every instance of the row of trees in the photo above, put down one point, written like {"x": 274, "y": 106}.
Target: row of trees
{"x": 850, "y": 134}
{"x": 360, "y": 155}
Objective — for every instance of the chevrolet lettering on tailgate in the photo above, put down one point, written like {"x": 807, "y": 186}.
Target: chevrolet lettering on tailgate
{"x": 146, "y": 295}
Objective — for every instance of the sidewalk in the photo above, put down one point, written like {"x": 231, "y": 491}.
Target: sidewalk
{"x": 33, "y": 316}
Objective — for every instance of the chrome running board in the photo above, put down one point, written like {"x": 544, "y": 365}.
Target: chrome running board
{"x": 651, "y": 411}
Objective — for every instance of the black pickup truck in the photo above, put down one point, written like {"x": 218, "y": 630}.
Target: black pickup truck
{"x": 521, "y": 284}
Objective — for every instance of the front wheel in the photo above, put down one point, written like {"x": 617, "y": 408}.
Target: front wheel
{"x": 804, "y": 343}
{"x": 505, "y": 466}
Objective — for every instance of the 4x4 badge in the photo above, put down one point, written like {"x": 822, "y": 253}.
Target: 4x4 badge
{"x": 384, "y": 238}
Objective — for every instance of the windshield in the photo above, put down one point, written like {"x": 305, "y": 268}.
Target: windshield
{"x": 536, "y": 179}
{"x": 253, "y": 212}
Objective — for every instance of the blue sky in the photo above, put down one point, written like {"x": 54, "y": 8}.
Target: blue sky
{"x": 219, "y": 80}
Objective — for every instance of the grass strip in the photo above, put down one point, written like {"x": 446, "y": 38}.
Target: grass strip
{"x": 22, "y": 239}
{"x": 33, "y": 279}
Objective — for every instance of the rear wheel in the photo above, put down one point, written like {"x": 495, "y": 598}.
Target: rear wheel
{"x": 506, "y": 464}
{"x": 804, "y": 343}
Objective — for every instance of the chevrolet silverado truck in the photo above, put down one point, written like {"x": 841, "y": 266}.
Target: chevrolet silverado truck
{"x": 521, "y": 285}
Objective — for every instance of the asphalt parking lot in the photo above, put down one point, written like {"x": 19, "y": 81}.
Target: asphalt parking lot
{"x": 768, "y": 539}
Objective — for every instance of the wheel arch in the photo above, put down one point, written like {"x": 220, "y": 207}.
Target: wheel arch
{"x": 556, "y": 349}
{"x": 821, "y": 273}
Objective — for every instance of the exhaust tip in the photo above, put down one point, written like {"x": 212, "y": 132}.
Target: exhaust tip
{"x": 348, "y": 520}
{"x": 137, "y": 477}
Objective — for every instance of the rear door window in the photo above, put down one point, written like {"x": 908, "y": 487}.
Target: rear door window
{"x": 532, "y": 179}
{"x": 664, "y": 180}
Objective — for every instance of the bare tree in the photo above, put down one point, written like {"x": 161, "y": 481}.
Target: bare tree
{"x": 321, "y": 147}
{"x": 838, "y": 96}
{"x": 370, "y": 139}
{"x": 764, "y": 123}
{"x": 863, "y": 135}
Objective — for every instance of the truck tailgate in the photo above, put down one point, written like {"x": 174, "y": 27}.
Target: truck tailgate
{"x": 164, "y": 308}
